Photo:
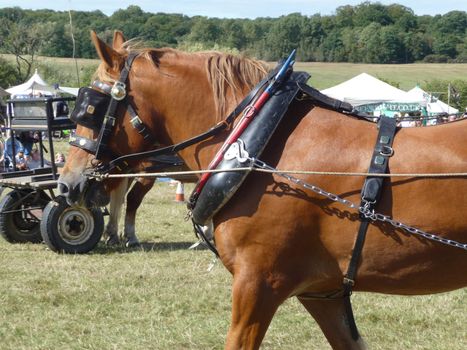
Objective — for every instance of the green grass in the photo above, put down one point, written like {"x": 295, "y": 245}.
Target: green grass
{"x": 163, "y": 297}
{"x": 407, "y": 76}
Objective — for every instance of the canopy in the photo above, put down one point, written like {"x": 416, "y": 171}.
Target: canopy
{"x": 36, "y": 85}
{"x": 433, "y": 105}
{"x": 365, "y": 89}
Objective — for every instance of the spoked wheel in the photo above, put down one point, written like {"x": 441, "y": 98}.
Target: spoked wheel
{"x": 20, "y": 215}
{"x": 71, "y": 229}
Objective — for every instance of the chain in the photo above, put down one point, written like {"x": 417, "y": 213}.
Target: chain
{"x": 364, "y": 209}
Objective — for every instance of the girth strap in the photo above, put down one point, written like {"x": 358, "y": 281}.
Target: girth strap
{"x": 371, "y": 193}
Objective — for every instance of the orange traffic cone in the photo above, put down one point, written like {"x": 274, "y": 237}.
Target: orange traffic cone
{"x": 180, "y": 192}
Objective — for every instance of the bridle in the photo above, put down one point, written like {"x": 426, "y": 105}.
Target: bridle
{"x": 96, "y": 108}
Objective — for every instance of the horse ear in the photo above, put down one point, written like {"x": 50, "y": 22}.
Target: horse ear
{"x": 118, "y": 41}
{"x": 107, "y": 54}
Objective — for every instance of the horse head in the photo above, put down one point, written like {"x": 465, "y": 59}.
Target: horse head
{"x": 159, "y": 97}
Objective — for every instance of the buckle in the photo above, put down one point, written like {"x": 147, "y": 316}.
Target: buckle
{"x": 118, "y": 91}
{"x": 349, "y": 281}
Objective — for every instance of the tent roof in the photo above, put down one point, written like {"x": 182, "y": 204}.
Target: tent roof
{"x": 36, "y": 85}
{"x": 437, "y": 106}
{"x": 365, "y": 89}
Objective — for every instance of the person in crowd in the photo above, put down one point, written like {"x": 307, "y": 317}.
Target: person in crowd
{"x": 59, "y": 158}
{"x": 7, "y": 154}
{"x": 27, "y": 138}
{"x": 21, "y": 162}
{"x": 35, "y": 161}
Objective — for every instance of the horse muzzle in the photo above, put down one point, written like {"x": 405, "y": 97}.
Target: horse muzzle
{"x": 88, "y": 192}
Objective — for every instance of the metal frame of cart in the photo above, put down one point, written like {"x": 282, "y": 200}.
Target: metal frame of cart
{"x": 30, "y": 211}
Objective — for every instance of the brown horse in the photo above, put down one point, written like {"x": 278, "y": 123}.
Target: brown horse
{"x": 120, "y": 190}
{"x": 280, "y": 240}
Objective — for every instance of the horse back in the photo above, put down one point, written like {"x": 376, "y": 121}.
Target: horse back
{"x": 316, "y": 139}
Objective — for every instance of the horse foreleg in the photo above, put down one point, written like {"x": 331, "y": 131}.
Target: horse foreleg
{"x": 117, "y": 197}
{"x": 133, "y": 200}
{"x": 331, "y": 317}
{"x": 254, "y": 304}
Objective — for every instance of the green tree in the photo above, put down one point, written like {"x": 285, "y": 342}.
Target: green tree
{"x": 234, "y": 36}
{"x": 369, "y": 43}
{"x": 59, "y": 43}
{"x": 130, "y": 20}
{"x": 368, "y": 12}
{"x": 8, "y": 74}
{"x": 439, "y": 88}
{"x": 205, "y": 30}
{"x": 24, "y": 42}
{"x": 165, "y": 29}
{"x": 392, "y": 46}
{"x": 283, "y": 36}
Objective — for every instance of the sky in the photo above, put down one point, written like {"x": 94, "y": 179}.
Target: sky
{"x": 232, "y": 8}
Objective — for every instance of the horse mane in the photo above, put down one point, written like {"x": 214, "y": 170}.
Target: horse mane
{"x": 237, "y": 73}
{"x": 225, "y": 72}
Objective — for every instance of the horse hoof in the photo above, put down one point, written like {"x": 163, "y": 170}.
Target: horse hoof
{"x": 112, "y": 240}
{"x": 132, "y": 243}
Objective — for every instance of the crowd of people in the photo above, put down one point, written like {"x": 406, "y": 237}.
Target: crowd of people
{"x": 409, "y": 120}
{"x": 22, "y": 152}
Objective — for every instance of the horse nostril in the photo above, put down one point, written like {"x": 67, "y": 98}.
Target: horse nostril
{"x": 63, "y": 188}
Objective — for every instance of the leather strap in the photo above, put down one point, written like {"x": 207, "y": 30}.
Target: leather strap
{"x": 83, "y": 143}
{"x": 109, "y": 119}
{"x": 321, "y": 99}
{"x": 371, "y": 193}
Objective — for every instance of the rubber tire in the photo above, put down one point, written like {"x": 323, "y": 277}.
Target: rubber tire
{"x": 55, "y": 216}
{"x": 12, "y": 227}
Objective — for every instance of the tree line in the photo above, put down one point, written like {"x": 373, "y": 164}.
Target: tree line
{"x": 365, "y": 33}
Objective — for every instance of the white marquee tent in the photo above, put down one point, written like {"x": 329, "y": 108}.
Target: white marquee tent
{"x": 365, "y": 89}
{"x": 433, "y": 105}
{"x": 36, "y": 85}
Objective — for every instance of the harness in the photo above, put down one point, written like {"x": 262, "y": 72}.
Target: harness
{"x": 93, "y": 101}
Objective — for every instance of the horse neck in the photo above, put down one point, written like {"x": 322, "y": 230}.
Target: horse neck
{"x": 191, "y": 111}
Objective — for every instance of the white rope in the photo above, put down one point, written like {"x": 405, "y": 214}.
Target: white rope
{"x": 301, "y": 172}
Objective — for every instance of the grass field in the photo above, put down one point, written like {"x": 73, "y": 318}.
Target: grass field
{"x": 407, "y": 76}
{"x": 162, "y": 296}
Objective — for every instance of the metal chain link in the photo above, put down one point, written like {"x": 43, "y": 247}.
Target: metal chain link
{"x": 364, "y": 210}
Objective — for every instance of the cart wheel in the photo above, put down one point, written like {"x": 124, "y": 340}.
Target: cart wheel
{"x": 20, "y": 215}
{"x": 71, "y": 229}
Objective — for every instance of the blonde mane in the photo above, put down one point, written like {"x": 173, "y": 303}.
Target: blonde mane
{"x": 226, "y": 73}
{"x": 237, "y": 73}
